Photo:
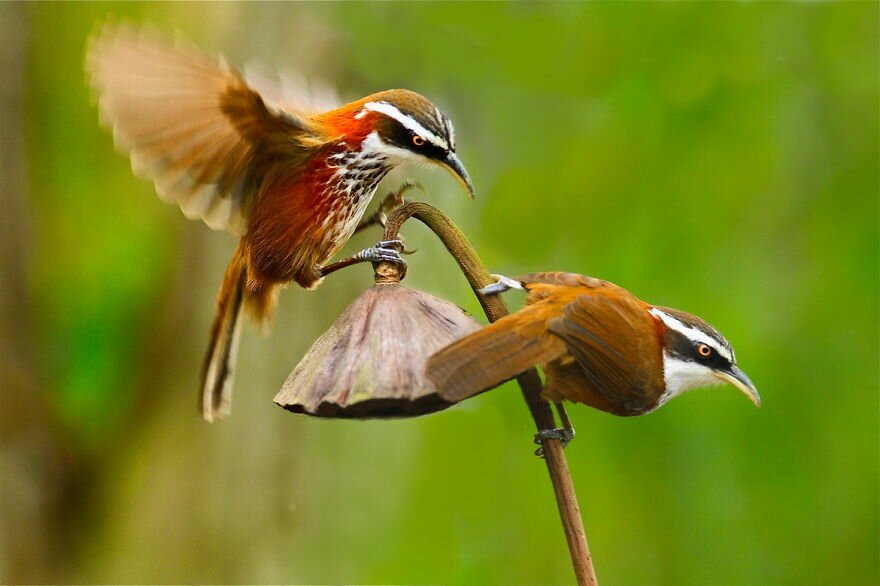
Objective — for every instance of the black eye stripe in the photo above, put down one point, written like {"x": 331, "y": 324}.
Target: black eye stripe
{"x": 713, "y": 359}
{"x": 683, "y": 348}
{"x": 399, "y": 136}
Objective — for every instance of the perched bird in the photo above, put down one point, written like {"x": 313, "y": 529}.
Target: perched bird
{"x": 291, "y": 181}
{"x": 597, "y": 344}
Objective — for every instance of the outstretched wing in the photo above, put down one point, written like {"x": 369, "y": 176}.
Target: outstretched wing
{"x": 190, "y": 123}
{"x": 291, "y": 91}
{"x": 605, "y": 335}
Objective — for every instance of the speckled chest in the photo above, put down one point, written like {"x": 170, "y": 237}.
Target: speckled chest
{"x": 355, "y": 177}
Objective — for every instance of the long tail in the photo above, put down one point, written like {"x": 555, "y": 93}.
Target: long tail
{"x": 219, "y": 365}
{"x": 492, "y": 355}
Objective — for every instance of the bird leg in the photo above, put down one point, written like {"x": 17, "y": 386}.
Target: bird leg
{"x": 566, "y": 422}
{"x": 564, "y": 434}
{"x": 501, "y": 285}
{"x": 384, "y": 251}
{"x": 391, "y": 202}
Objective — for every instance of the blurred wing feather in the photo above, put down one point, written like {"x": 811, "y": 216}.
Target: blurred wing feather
{"x": 292, "y": 91}
{"x": 190, "y": 123}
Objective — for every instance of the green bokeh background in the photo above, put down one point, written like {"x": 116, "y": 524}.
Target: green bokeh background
{"x": 721, "y": 158}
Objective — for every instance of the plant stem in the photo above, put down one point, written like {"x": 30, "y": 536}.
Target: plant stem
{"x": 494, "y": 307}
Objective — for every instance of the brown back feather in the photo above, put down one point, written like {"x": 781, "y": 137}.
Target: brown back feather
{"x": 560, "y": 279}
{"x": 614, "y": 342}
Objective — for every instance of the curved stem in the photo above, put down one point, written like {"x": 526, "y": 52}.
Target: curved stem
{"x": 494, "y": 307}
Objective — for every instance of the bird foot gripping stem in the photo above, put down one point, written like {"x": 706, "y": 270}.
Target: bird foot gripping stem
{"x": 500, "y": 285}
{"x": 384, "y": 251}
{"x": 565, "y": 435}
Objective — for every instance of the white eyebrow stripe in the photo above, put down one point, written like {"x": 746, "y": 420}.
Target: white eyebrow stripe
{"x": 407, "y": 122}
{"x": 690, "y": 333}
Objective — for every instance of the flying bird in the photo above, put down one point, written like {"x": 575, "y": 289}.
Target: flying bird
{"x": 291, "y": 181}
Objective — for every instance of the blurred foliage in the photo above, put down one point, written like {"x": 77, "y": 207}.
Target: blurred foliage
{"x": 721, "y": 158}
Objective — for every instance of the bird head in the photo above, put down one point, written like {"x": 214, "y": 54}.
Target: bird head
{"x": 695, "y": 354}
{"x": 406, "y": 127}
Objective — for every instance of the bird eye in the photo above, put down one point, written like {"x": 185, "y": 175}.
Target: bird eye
{"x": 704, "y": 350}
{"x": 418, "y": 140}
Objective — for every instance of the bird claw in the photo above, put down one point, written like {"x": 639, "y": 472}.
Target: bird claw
{"x": 500, "y": 285}
{"x": 384, "y": 251}
{"x": 398, "y": 245}
{"x": 391, "y": 202}
{"x": 565, "y": 435}
{"x": 395, "y": 245}
{"x": 379, "y": 255}
{"x": 408, "y": 185}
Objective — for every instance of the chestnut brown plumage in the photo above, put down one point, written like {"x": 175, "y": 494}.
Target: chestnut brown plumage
{"x": 597, "y": 343}
{"x": 291, "y": 180}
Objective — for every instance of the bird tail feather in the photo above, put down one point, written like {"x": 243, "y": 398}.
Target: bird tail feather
{"x": 219, "y": 365}
{"x": 490, "y": 356}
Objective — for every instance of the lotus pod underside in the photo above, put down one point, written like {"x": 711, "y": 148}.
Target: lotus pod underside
{"x": 371, "y": 362}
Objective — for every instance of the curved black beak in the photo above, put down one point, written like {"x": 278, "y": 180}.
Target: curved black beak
{"x": 454, "y": 166}
{"x": 741, "y": 381}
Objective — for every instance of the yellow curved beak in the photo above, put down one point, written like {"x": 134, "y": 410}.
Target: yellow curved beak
{"x": 454, "y": 166}
{"x": 741, "y": 381}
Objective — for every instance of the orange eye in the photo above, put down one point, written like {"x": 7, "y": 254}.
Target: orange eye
{"x": 418, "y": 140}
{"x": 704, "y": 350}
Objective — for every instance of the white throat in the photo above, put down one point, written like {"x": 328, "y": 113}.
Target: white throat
{"x": 683, "y": 375}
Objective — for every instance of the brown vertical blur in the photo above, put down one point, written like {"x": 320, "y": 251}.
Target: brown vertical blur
{"x": 35, "y": 468}
{"x": 72, "y": 510}
{"x": 52, "y": 483}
